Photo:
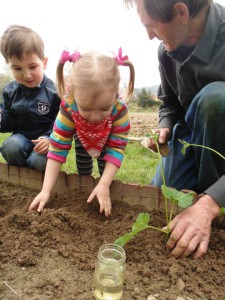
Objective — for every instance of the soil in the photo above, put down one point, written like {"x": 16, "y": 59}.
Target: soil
{"x": 52, "y": 255}
{"x": 141, "y": 123}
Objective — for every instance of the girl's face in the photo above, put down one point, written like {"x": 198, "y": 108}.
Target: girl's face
{"x": 29, "y": 70}
{"x": 95, "y": 107}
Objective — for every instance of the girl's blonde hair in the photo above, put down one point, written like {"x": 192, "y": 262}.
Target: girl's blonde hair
{"x": 94, "y": 70}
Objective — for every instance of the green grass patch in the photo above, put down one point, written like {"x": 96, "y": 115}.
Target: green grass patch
{"x": 138, "y": 166}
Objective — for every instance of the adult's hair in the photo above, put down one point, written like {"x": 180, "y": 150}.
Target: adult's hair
{"x": 93, "y": 70}
{"x": 162, "y": 10}
{"x": 18, "y": 40}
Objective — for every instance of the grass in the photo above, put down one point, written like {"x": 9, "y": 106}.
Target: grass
{"x": 133, "y": 108}
{"x": 138, "y": 166}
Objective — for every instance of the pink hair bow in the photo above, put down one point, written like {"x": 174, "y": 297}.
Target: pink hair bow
{"x": 120, "y": 58}
{"x": 66, "y": 56}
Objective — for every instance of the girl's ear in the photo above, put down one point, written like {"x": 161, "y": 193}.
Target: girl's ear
{"x": 45, "y": 61}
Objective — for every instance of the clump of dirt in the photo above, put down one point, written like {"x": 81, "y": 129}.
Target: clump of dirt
{"x": 52, "y": 255}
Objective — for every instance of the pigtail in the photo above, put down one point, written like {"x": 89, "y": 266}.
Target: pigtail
{"x": 60, "y": 80}
{"x": 124, "y": 61}
{"x": 130, "y": 88}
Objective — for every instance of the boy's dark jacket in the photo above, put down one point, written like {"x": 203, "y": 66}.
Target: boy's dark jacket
{"x": 29, "y": 111}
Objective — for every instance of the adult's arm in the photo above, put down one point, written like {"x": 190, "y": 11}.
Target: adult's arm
{"x": 217, "y": 192}
{"x": 170, "y": 110}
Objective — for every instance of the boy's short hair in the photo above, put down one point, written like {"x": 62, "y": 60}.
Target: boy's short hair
{"x": 18, "y": 40}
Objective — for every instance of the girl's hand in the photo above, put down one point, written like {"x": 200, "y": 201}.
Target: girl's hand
{"x": 42, "y": 145}
{"x": 39, "y": 201}
{"x": 101, "y": 191}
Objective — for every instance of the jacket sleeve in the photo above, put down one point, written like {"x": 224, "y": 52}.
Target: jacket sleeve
{"x": 7, "y": 120}
{"x": 170, "y": 110}
{"x": 216, "y": 191}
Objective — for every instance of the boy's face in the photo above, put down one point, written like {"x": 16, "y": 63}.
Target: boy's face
{"x": 29, "y": 70}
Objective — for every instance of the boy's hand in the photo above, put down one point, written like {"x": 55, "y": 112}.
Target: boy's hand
{"x": 42, "y": 145}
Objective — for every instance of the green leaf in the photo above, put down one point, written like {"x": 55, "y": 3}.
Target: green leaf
{"x": 222, "y": 210}
{"x": 185, "y": 146}
{"x": 122, "y": 240}
{"x": 183, "y": 199}
{"x": 152, "y": 135}
{"x": 140, "y": 224}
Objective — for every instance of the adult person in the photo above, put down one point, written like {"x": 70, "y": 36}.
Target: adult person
{"x": 192, "y": 90}
{"x": 30, "y": 102}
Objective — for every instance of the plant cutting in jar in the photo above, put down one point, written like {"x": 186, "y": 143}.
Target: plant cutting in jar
{"x": 171, "y": 195}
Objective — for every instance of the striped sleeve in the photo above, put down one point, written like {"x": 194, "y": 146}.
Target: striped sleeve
{"x": 62, "y": 135}
{"x": 117, "y": 141}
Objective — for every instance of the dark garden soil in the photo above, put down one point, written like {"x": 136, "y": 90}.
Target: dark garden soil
{"x": 52, "y": 255}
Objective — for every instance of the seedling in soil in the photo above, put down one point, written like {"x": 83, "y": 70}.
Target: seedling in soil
{"x": 175, "y": 197}
{"x": 183, "y": 200}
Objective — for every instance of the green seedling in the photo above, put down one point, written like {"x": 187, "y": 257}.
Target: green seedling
{"x": 143, "y": 219}
{"x": 171, "y": 195}
{"x": 186, "y": 145}
{"x": 140, "y": 224}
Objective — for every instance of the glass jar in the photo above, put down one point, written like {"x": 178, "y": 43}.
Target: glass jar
{"x": 109, "y": 272}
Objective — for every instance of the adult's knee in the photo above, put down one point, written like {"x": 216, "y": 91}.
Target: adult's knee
{"x": 211, "y": 98}
{"x": 210, "y": 101}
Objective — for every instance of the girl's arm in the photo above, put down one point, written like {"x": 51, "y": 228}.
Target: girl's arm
{"x": 52, "y": 170}
{"x": 108, "y": 174}
{"x": 101, "y": 191}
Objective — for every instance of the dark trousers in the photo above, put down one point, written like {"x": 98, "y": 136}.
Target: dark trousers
{"x": 204, "y": 124}
{"x": 85, "y": 162}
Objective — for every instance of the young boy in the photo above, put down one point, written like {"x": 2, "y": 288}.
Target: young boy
{"x": 30, "y": 103}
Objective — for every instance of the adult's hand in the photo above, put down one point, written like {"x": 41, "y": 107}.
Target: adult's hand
{"x": 191, "y": 229}
{"x": 164, "y": 135}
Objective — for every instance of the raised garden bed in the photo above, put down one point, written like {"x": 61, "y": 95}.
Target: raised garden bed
{"x": 52, "y": 255}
